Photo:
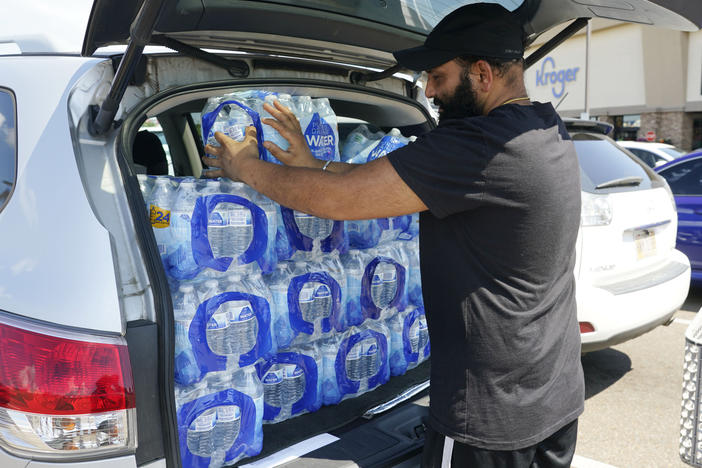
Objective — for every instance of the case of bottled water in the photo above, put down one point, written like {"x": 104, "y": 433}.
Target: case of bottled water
{"x": 355, "y": 362}
{"x": 218, "y": 226}
{"x": 384, "y": 281}
{"x": 308, "y": 235}
{"x": 229, "y": 329}
{"x": 409, "y": 339}
{"x": 308, "y": 299}
{"x": 220, "y": 419}
{"x": 292, "y": 383}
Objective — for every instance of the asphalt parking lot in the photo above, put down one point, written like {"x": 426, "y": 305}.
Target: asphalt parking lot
{"x": 633, "y": 394}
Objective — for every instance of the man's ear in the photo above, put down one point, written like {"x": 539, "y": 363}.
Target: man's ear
{"x": 485, "y": 75}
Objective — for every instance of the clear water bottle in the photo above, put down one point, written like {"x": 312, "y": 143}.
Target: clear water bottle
{"x": 200, "y": 438}
{"x": 354, "y": 268}
{"x": 414, "y": 281}
{"x": 398, "y": 362}
{"x": 247, "y": 382}
{"x": 160, "y": 206}
{"x": 270, "y": 133}
{"x": 227, "y": 428}
{"x": 237, "y": 121}
{"x": 270, "y": 257}
{"x": 238, "y": 220}
{"x": 306, "y": 302}
{"x": 377, "y": 286}
{"x": 330, "y": 141}
{"x": 293, "y": 384}
{"x": 355, "y": 368}
{"x": 306, "y": 224}
{"x": 389, "y": 278}
{"x": 304, "y": 111}
{"x": 216, "y": 330}
{"x": 419, "y": 336}
{"x": 322, "y": 301}
{"x": 329, "y": 348}
{"x": 273, "y": 386}
{"x": 216, "y": 221}
{"x": 358, "y": 139}
{"x": 371, "y": 360}
{"x": 185, "y": 304}
{"x": 181, "y": 257}
{"x": 278, "y": 284}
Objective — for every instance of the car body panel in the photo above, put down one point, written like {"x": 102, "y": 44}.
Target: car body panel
{"x": 71, "y": 279}
{"x": 689, "y": 207}
{"x": 620, "y": 317}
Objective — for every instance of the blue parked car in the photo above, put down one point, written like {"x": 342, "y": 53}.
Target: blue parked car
{"x": 684, "y": 175}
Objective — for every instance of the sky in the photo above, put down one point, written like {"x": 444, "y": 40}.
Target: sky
{"x": 61, "y": 22}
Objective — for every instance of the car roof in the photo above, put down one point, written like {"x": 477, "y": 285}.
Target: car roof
{"x": 681, "y": 159}
{"x": 643, "y": 144}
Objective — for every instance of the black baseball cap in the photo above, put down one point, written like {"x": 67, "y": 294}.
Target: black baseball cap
{"x": 479, "y": 29}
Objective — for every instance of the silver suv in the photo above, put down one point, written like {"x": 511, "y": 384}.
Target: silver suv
{"x": 86, "y": 320}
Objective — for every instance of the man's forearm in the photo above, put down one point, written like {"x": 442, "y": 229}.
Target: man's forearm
{"x": 335, "y": 167}
{"x": 309, "y": 190}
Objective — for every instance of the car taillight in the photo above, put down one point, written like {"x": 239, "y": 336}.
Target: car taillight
{"x": 586, "y": 327}
{"x": 63, "y": 393}
{"x": 595, "y": 210}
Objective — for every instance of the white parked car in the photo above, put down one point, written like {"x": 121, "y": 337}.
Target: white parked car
{"x": 653, "y": 154}
{"x": 86, "y": 313}
{"x": 630, "y": 277}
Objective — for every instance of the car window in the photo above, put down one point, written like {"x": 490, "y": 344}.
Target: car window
{"x": 8, "y": 146}
{"x": 674, "y": 152}
{"x": 603, "y": 162}
{"x": 685, "y": 178}
{"x": 646, "y": 156}
{"x": 152, "y": 153}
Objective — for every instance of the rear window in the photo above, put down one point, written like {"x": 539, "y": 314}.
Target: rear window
{"x": 8, "y": 146}
{"x": 604, "y": 167}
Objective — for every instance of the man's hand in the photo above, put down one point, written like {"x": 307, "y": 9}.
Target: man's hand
{"x": 298, "y": 153}
{"x": 231, "y": 154}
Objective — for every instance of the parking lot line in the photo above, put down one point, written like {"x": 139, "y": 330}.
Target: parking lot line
{"x": 582, "y": 462}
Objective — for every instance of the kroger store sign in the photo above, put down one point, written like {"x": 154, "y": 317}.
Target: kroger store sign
{"x": 556, "y": 79}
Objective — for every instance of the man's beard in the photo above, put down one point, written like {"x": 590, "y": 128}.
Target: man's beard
{"x": 462, "y": 104}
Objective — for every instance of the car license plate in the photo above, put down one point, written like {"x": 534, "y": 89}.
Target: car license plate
{"x": 645, "y": 243}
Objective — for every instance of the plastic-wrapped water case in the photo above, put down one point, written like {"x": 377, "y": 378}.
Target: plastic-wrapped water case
{"x": 231, "y": 327}
{"x": 384, "y": 282}
{"x": 409, "y": 340}
{"x": 230, "y": 116}
{"x": 355, "y": 361}
{"x": 220, "y": 419}
{"x": 306, "y": 233}
{"x": 307, "y": 299}
{"x": 220, "y": 226}
{"x": 292, "y": 383}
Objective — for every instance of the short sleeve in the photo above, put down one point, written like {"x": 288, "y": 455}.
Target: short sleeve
{"x": 445, "y": 168}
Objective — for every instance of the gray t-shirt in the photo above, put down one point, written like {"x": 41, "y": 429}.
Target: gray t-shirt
{"x": 497, "y": 250}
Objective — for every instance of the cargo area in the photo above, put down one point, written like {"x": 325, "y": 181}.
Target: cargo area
{"x": 286, "y": 326}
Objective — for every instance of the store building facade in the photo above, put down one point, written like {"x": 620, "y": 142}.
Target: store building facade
{"x": 644, "y": 80}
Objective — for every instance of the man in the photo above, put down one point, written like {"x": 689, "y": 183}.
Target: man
{"x": 498, "y": 188}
